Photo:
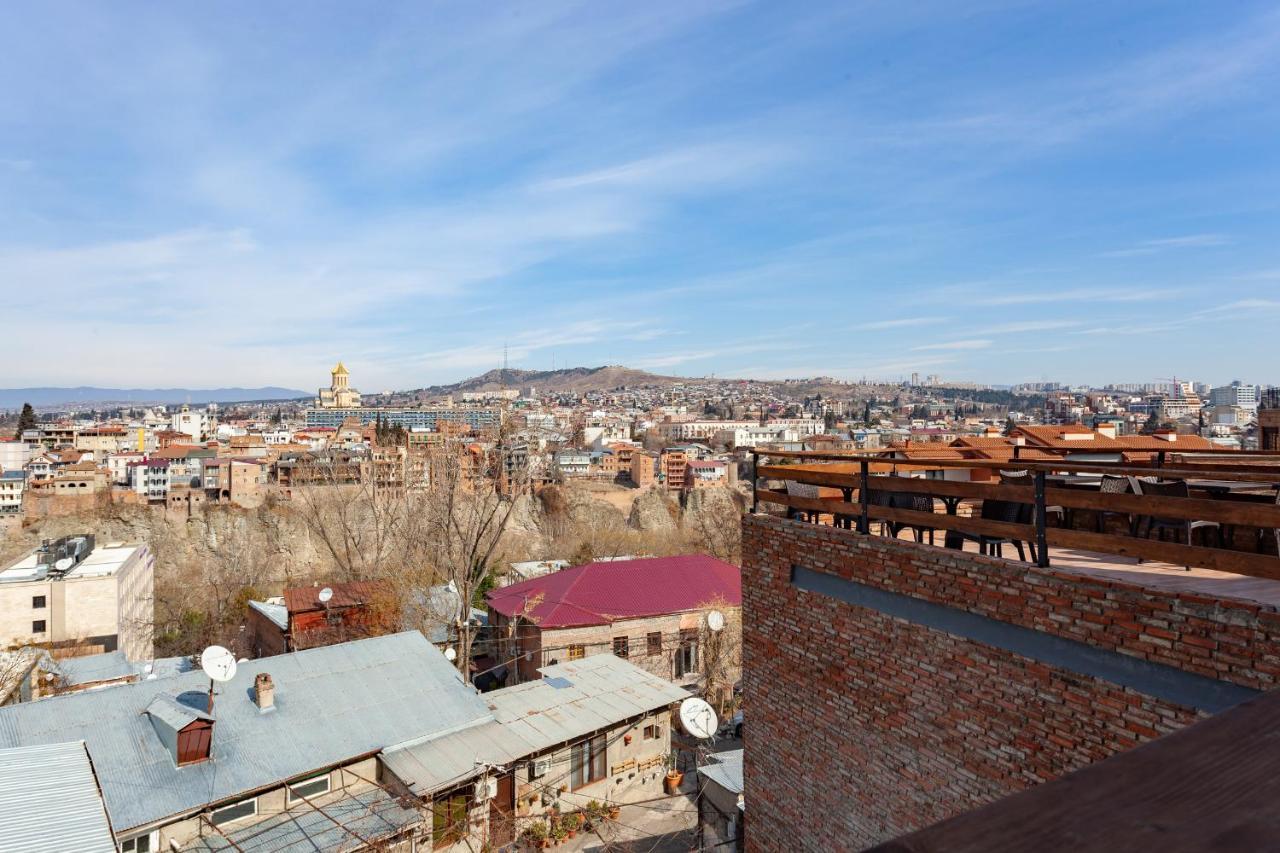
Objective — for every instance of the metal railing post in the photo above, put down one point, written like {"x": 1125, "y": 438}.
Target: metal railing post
{"x": 755, "y": 481}
{"x": 1042, "y": 544}
{"x": 864, "y": 497}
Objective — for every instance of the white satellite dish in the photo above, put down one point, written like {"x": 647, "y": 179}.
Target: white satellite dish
{"x": 715, "y": 620}
{"x": 450, "y": 654}
{"x": 64, "y": 563}
{"x": 698, "y": 718}
{"x": 218, "y": 663}
{"x": 324, "y": 595}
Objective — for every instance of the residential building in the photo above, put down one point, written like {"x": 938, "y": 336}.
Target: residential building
{"x": 339, "y": 394}
{"x": 14, "y": 455}
{"x": 721, "y": 804}
{"x": 196, "y": 426}
{"x": 371, "y": 744}
{"x": 1237, "y": 394}
{"x": 649, "y": 611}
{"x": 644, "y": 468}
{"x": 13, "y": 487}
{"x": 302, "y": 620}
{"x": 671, "y": 467}
{"x": 71, "y": 592}
{"x": 572, "y": 463}
{"x": 474, "y": 418}
{"x": 700, "y": 473}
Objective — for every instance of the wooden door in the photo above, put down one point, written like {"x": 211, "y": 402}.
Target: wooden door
{"x": 502, "y": 813}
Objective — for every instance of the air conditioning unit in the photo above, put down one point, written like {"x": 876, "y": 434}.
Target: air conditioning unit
{"x": 486, "y": 789}
{"x": 539, "y": 768}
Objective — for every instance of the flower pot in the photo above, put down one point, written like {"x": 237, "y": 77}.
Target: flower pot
{"x": 672, "y": 782}
{"x": 615, "y": 813}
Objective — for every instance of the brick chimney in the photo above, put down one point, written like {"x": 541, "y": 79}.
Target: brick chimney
{"x": 264, "y": 692}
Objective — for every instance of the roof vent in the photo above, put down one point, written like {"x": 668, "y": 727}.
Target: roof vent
{"x": 264, "y": 692}
{"x": 185, "y": 731}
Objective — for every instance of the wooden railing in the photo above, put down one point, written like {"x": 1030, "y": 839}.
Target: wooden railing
{"x": 865, "y": 473}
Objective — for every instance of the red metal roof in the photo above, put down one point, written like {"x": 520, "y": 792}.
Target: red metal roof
{"x": 599, "y": 593}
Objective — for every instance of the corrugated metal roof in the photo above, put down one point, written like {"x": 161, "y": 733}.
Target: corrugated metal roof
{"x": 49, "y": 801}
{"x": 176, "y": 715}
{"x": 725, "y": 771}
{"x": 573, "y": 700}
{"x": 277, "y": 613}
{"x": 87, "y": 669}
{"x": 368, "y": 815}
{"x": 602, "y": 592}
{"x": 331, "y": 704}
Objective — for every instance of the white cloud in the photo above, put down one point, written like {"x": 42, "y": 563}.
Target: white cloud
{"x": 970, "y": 344}
{"x": 901, "y": 323}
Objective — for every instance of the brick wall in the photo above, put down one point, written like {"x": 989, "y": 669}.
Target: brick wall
{"x": 863, "y": 726}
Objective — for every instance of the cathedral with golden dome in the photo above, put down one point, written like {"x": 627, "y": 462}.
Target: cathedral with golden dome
{"x": 339, "y": 395}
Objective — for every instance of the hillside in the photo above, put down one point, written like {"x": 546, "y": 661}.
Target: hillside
{"x": 576, "y": 379}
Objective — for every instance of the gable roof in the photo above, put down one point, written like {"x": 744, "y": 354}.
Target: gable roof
{"x": 300, "y": 599}
{"x": 599, "y": 593}
{"x": 332, "y": 704}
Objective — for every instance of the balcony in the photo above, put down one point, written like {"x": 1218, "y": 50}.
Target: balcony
{"x": 1178, "y": 521}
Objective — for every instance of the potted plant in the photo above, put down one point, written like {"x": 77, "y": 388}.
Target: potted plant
{"x": 592, "y": 814}
{"x": 615, "y": 811}
{"x": 559, "y": 833}
{"x": 572, "y": 823}
{"x": 535, "y": 835}
{"x": 674, "y": 776}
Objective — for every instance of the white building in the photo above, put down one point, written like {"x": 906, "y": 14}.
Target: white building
{"x": 14, "y": 455}
{"x": 13, "y": 484}
{"x": 196, "y": 424}
{"x": 1236, "y": 394}
{"x": 71, "y": 592}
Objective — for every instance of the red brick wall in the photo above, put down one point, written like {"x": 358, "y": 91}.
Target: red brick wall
{"x": 862, "y": 727}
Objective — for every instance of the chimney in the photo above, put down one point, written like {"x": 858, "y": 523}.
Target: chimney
{"x": 1166, "y": 434}
{"x": 264, "y": 692}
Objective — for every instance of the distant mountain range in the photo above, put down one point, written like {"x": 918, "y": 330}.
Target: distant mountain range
{"x": 13, "y": 398}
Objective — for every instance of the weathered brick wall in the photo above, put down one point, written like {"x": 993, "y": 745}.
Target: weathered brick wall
{"x": 863, "y": 727}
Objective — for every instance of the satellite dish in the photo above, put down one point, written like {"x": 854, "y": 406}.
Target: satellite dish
{"x": 450, "y": 654}
{"x": 698, "y": 718}
{"x": 218, "y": 663}
{"x": 324, "y": 595}
{"x": 64, "y": 563}
{"x": 715, "y": 620}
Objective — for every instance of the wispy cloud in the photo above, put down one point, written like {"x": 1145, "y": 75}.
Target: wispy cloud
{"x": 1082, "y": 294}
{"x": 902, "y": 323}
{"x": 1151, "y": 247}
{"x": 970, "y": 344}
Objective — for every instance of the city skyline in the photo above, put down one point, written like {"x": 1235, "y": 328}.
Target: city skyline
{"x": 999, "y": 195}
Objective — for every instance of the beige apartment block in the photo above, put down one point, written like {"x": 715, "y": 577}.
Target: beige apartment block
{"x": 70, "y": 593}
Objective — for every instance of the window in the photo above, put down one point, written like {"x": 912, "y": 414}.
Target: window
{"x": 687, "y": 653}
{"x": 307, "y": 789}
{"x": 38, "y": 626}
{"x": 652, "y": 732}
{"x": 654, "y": 642}
{"x": 37, "y": 602}
{"x": 235, "y": 811}
{"x": 141, "y": 844}
{"x": 588, "y": 761}
{"x": 577, "y": 651}
{"x": 621, "y": 647}
{"x": 449, "y": 819}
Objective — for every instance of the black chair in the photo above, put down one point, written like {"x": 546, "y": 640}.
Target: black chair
{"x": 1007, "y": 511}
{"x": 802, "y": 490}
{"x": 1023, "y": 478}
{"x": 919, "y": 503}
{"x": 1114, "y": 485}
{"x": 1183, "y": 526}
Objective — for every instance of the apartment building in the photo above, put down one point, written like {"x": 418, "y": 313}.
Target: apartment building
{"x": 13, "y": 487}
{"x": 72, "y": 592}
{"x": 14, "y": 455}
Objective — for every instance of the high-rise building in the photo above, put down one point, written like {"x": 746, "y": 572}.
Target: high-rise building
{"x": 1236, "y": 394}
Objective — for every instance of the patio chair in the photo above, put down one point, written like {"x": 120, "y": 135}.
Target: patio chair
{"x": 1115, "y": 485}
{"x": 797, "y": 489}
{"x": 879, "y": 497}
{"x": 1008, "y": 511}
{"x": 1184, "y": 526}
{"x": 1024, "y": 478}
{"x": 919, "y": 503}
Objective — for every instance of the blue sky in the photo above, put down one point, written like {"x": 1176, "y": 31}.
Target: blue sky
{"x": 242, "y": 193}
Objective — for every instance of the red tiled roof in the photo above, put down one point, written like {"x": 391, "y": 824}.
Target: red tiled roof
{"x": 599, "y": 593}
{"x": 303, "y": 598}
